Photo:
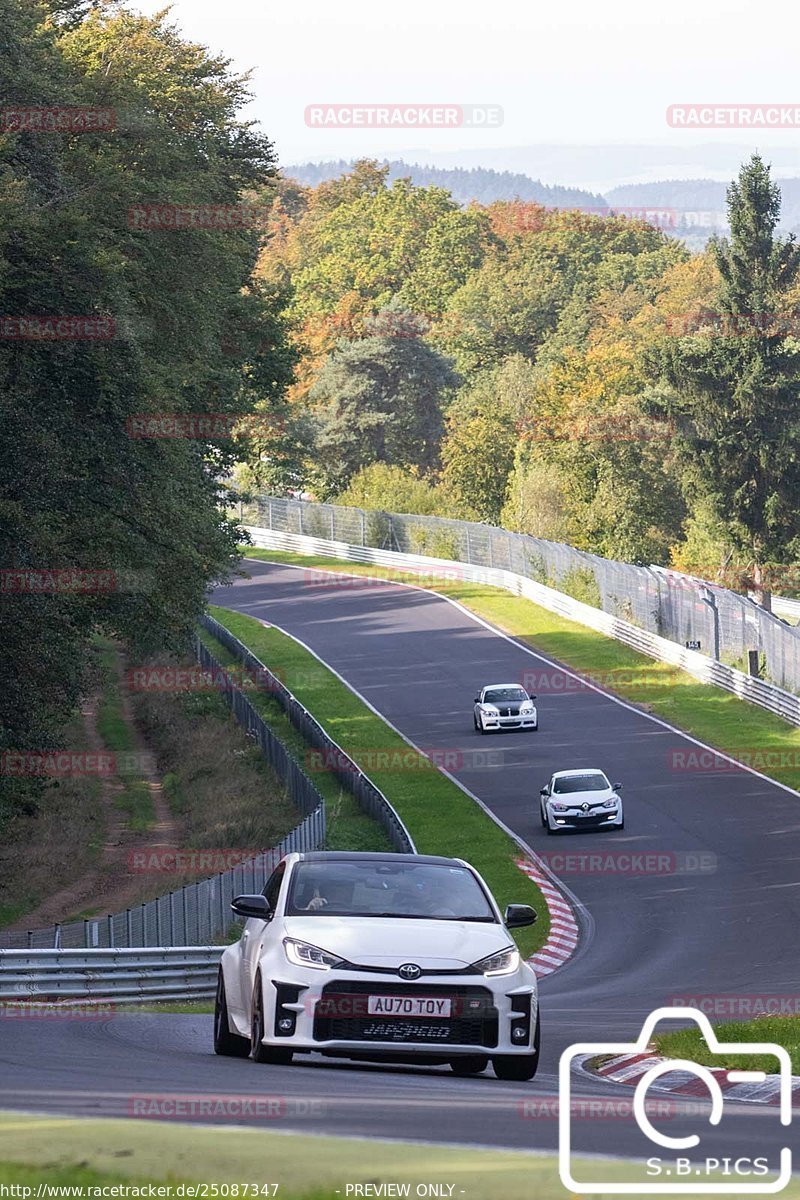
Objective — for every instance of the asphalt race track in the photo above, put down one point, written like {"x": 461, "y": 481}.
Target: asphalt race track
{"x": 720, "y": 916}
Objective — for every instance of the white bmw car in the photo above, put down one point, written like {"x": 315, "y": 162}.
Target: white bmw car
{"x": 581, "y": 799}
{"x": 504, "y": 706}
{"x": 379, "y": 957}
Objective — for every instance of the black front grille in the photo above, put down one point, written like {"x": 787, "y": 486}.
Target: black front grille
{"x": 341, "y": 1015}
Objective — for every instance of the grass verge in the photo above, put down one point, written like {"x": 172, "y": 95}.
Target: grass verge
{"x": 348, "y": 827}
{"x": 439, "y": 817}
{"x": 782, "y": 1031}
{"x": 70, "y": 1150}
{"x": 746, "y": 732}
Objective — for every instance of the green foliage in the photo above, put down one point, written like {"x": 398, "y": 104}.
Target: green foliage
{"x": 394, "y": 489}
{"x": 580, "y": 583}
{"x": 379, "y": 400}
{"x": 75, "y": 488}
{"x": 734, "y": 395}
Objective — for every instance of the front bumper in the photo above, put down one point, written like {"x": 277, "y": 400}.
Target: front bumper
{"x": 576, "y": 819}
{"x": 524, "y": 721}
{"x": 327, "y": 1012}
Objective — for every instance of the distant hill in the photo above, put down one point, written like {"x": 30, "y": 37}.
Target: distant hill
{"x": 464, "y": 184}
{"x": 699, "y": 204}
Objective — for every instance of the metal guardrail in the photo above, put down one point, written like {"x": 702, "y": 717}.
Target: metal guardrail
{"x": 334, "y": 758}
{"x": 707, "y": 670}
{"x": 107, "y": 976}
{"x": 660, "y": 602}
{"x": 786, "y": 608}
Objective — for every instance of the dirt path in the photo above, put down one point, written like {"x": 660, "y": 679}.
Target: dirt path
{"x": 112, "y": 886}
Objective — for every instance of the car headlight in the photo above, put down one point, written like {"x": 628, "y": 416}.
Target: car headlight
{"x": 560, "y": 808}
{"x": 302, "y": 954}
{"x": 526, "y": 708}
{"x": 503, "y": 962}
{"x": 490, "y": 710}
{"x": 611, "y": 803}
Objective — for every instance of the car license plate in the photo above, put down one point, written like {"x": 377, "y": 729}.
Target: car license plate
{"x": 409, "y": 1006}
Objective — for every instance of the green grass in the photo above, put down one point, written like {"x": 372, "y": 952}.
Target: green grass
{"x": 689, "y": 1043}
{"x": 136, "y": 801}
{"x": 115, "y": 731}
{"x": 348, "y": 827}
{"x": 708, "y": 713}
{"x": 439, "y": 817}
{"x": 69, "y": 1150}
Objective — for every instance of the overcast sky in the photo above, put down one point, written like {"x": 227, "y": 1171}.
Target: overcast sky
{"x": 587, "y": 72}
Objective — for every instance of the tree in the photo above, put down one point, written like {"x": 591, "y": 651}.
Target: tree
{"x": 76, "y": 489}
{"x": 396, "y": 489}
{"x": 733, "y": 387}
{"x": 380, "y": 399}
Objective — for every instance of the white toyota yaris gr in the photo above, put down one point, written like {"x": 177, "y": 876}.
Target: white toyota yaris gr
{"x": 379, "y": 957}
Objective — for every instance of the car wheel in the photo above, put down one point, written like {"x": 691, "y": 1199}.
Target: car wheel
{"x": 621, "y": 824}
{"x": 479, "y": 726}
{"x": 549, "y": 828}
{"x": 535, "y": 728}
{"x": 470, "y": 1064}
{"x": 475, "y": 723}
{"x": 518, "y": 1068}
{"x": 261, "y": 1053}
{"x": 542, "y": 817}
{"x": 225, "y": 1042}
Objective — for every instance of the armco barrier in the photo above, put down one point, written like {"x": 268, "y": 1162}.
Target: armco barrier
{"x": 707, "y": 670}
{"x": 110, "y": 976}
{"x": 665, "y": 603}
{"x": 348, "y": 773}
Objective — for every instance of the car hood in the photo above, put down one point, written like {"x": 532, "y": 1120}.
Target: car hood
{"x": 390, "y": 942}
{"x": 576, "y": 799}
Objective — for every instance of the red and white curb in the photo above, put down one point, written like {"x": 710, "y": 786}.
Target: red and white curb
{"x": 629, "y": 1069}
{"x": 563, "y": 939}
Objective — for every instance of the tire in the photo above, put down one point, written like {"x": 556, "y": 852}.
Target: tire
{"x": 535, "y": 728}
{"x": 550, "y": 832}
{"x": 479, "y": 727}
{"x": 519, "y": 1068}
{"x": 470, "y": 1064}
{"x": 475, "y": 723}
{"x": 261, "y": 1053}
{"x": 542, "y": 818}
{"x": 621, "y": 824}
{"x": 225, "y": 1042}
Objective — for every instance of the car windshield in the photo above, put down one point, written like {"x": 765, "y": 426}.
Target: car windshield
{"x": 492, "y": 695}
{"x": 387, "y": 889}
{"x": 592, "y": 781}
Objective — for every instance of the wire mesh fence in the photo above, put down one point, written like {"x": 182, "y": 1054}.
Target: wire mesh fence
{"x": 199, "y": 913}
{"x": 662, "y": 602}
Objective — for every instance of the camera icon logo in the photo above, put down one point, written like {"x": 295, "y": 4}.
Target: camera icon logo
{"x": 669, "y": 1182}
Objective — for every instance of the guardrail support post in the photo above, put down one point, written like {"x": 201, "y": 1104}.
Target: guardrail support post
{"x": 144, "y": 924}
{"x": 128, "y": 927}
{"x": 110, "y": 930}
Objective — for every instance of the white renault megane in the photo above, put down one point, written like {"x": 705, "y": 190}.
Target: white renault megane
{"x": 380, "y": 957}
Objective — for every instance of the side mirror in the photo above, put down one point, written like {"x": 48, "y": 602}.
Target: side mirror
{"x": 517, "y": 915}
{"x": 616, "y": 786}
{"x": 531, "y": 697}
{"x": 477, "y": 700}
{"x": 252, "y": 906}
{"x": 544, "y": 791}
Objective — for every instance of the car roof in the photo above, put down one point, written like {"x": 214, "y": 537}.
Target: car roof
{"x": 369, "y": 856}
{"x": 580, "y": 771}
{"x": 486, "y": 686}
